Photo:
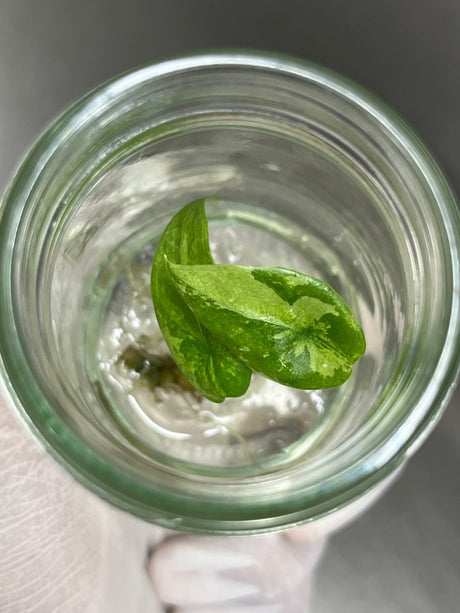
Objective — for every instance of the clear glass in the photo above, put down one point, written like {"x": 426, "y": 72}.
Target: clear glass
{"x": 311, "y": 173}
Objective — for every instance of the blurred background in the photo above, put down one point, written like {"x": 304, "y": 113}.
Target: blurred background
{"x": 404, "y": 555}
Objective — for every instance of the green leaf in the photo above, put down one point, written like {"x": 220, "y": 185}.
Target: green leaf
{"x": 201, "y": 356}
{"x": 287, "y": 326}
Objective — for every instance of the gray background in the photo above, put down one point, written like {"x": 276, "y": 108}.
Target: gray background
{"x": 404, "y": 555}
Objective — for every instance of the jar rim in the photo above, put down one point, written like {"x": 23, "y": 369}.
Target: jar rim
{"x": 135, "y": 495}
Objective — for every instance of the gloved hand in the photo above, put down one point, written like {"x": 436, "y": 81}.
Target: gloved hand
{"x": 272, "y": 573}
{"x": 65, "y": 550}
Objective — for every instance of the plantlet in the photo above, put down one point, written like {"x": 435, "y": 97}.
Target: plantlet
{"x": 222, "y": 322}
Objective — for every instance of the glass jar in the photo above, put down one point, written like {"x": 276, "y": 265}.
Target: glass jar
{"x": 311, "y": 172}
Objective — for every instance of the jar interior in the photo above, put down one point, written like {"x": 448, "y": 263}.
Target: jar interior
{"x": 287, "y": 198}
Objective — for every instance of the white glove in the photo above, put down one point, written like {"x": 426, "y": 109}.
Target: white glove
{"x": 256, "y": 574}
{"x": 64, "y": 550}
